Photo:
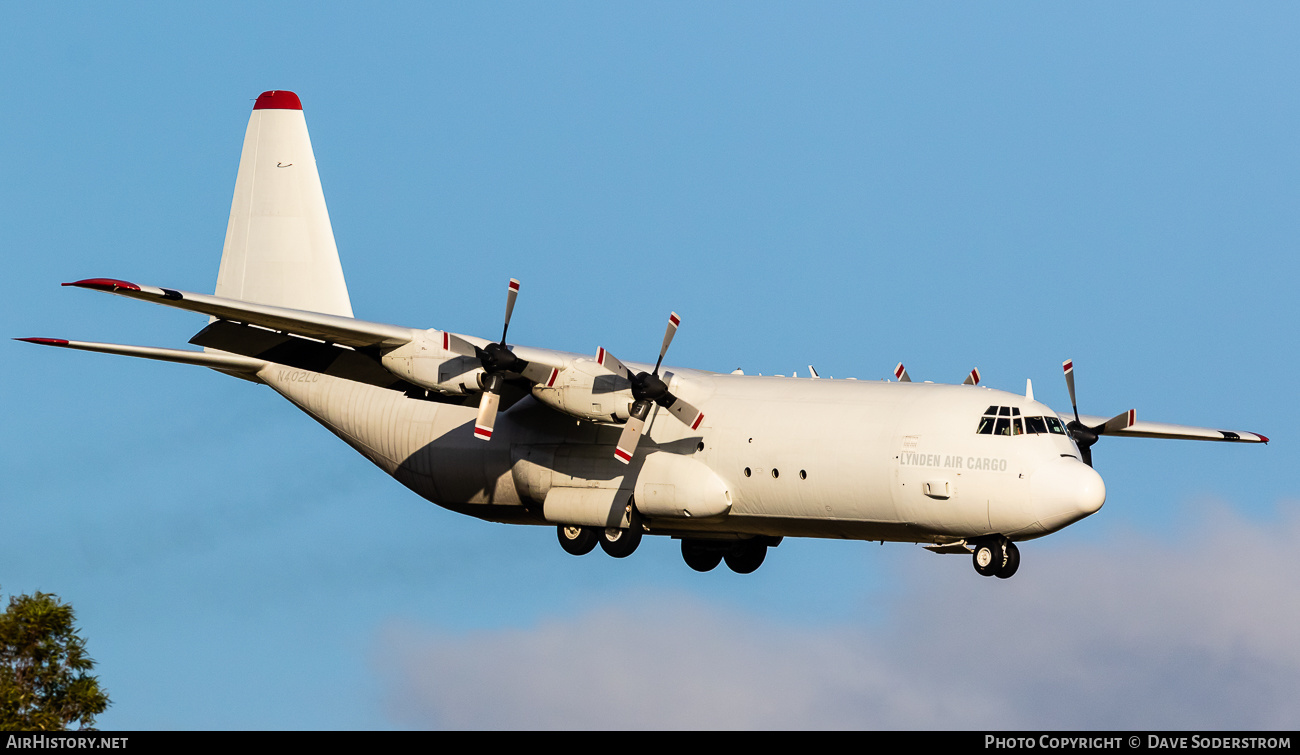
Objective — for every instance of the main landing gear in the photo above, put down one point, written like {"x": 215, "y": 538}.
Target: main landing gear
{"x": 996, "y": 558}
{"x": 579, "y": 541}
{"x": 742, "y": 557}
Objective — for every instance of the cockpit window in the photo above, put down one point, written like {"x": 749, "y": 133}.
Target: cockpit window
{"x": 1006, "y": 420}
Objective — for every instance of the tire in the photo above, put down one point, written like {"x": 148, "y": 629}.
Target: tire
{"x": 700, "y": 557}
{"x": 577, "y": 541}
{"x": 988, "y": 558}
{"x": 746, "y": 557}
{"x": 620, "y": 543}
{"x": 1012, "y": 562}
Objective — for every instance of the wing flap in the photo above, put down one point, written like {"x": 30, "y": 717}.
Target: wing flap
{"x": 332, "y": 328}
{"x": 299, "y": 353}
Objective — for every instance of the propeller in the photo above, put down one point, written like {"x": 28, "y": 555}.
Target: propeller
{"x": 498, "y": 361}
{"x": 647, "y": 389}
{"x": 900, "y": 374}
{"x": 1084, "y": 435}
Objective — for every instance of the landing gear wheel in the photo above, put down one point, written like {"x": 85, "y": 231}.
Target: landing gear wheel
{"x": 620, "y": 543}
{"x": 577, "y": 541}
{"x": 1012, "y": 561}
{"x": 699, "y": 556}
{"x": 747, "y": 556}
{"x": 988, "y": 558}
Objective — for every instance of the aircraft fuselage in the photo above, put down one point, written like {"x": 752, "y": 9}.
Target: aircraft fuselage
{"x": 775, "y": 456}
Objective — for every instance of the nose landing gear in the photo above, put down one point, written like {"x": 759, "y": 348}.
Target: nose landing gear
{"x": 997, "y": 558}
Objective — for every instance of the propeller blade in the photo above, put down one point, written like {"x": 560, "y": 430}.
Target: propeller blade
{"x": 689, "y": 415}
{"x": 900, "y": 374}
{"x": 1117, "y": 423}
{"x": 487, "y": 415}
{"x": 611, "y": 363}
{"x": 541, "y": 374}
{"x": 673, "y": 322}
{"x": 1068, "y": 366}
{"x": 512, "y": 293}
{"x": 973, "y": 378}
{"x": 632, "y": 432}
{"x": 457, "y": 345}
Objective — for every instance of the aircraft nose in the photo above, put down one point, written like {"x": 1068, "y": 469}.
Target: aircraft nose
{"x": 1066, "y": 492}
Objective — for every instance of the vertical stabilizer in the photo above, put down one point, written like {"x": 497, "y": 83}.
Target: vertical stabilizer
{"x": 279, "y": 244}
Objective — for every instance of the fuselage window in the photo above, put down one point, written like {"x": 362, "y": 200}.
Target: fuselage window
{"x": 1054, "y": 425}
{"x": 986, "y": 425}
{"x": 1035, "y": 425}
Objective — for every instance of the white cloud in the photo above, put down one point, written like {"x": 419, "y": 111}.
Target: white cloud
{"x": 1197, "y": 631}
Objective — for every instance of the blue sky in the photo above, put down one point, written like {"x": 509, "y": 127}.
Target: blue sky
{"x": 847, "y": 185}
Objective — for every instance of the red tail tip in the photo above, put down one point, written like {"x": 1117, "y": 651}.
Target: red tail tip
{"x": 277, "y": 99}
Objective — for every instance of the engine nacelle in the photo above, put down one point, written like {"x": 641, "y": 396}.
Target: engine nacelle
{"x": 427, "y": 364}
{"x": 586, "y": 390}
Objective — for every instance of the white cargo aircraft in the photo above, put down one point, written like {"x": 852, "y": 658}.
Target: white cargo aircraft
{"x": 608, "y": 451}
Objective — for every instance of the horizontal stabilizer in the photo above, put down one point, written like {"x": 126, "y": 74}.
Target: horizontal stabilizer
{"x": 227, "y": 362}
{"x": 332, "y": 328}
{"x": 1136, "y": 429}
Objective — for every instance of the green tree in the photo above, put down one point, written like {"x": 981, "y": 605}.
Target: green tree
{"x": 45, "y": 681}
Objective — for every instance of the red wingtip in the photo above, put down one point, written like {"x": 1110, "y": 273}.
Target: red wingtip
{"x": 104, "y": 284}
{"x": 277, "y": 99}
{"x": 1261, "y": 437}
{"x": 49, "y": 341}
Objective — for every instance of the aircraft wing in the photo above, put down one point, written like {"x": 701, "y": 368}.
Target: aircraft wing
{"x": 227, "y": 362}
{"x": 1164, "y": 430}
{"x": 332, "y": 328}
